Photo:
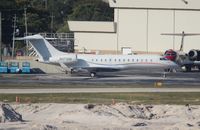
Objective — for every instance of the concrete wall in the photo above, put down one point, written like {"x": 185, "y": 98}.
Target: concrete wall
{"x": 139, "y": 24}
{"x": 94, "y": 36}
{"x": 46, "y": 68}
{"x": 189, "y": 21}
{"x": 156, "y": 4}
{"x": 95, "y": 41}
{"x": 88, "y": 26}
{"x": 141, "y": 29}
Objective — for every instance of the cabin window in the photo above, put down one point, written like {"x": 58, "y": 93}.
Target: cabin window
{"x": 119, "y": 60}
{"x": 96, "y": 60}
{"x": 123, "y": 60}
{"x": 115, "y": 60}
{"x": 110, "y": 60}
{"x": 105, "y": 60}
{"x": 132, "y": 60}
{"x": 151, "y": 60}
{"x": 146, "y": 60}
{"x": 101, "y": 60}
{"x": 128, "y": 60}
{"x": 137, "y": 60}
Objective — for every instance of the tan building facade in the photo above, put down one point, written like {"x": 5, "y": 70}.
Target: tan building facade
{"x": 139, "y": 23}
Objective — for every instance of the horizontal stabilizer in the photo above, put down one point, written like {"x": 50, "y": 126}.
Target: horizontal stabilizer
{"x": 33, "y": 37}
{"x": 183, "y": 34}
{"x": 42, "y": 47}
{"x": 180, "y": 34}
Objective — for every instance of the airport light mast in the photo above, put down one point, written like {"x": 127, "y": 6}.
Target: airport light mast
{"x": 13, "y": 43}
{"x": 26, "y": 30}
{"x": 0, "y": 38}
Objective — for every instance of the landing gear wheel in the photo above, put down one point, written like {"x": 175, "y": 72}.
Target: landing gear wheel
{"x": 188, "y": 69}
{"x": 93, "y": 74}
{"x": 199, "y": 68}
{"x": 72, "y": 71}
{"x": 167, "y": 70}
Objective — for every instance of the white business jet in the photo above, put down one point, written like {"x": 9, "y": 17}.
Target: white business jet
{"x": 94, "y": 63}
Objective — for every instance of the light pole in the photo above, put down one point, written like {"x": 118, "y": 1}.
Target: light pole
{"x": 46, "y": 4}
{"x": 52, "y": 21}
{"x": 26, "y": 30}
{"x": 13, "y": 43}
{"x": 0, "y": 38}
{"x": 25, "y": 21}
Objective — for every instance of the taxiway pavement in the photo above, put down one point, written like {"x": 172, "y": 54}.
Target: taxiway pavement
{"x": 183, "y": 79}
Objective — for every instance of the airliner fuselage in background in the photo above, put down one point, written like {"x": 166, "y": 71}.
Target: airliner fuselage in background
{"x": 95, "y": 63}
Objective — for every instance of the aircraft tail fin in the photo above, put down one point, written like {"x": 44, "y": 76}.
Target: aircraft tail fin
{"x": 183, "y": 34}
{"x": 42, "y": 47}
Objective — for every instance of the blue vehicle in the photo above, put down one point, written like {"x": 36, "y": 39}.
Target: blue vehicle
{"x": 3, "y": 67}
{"x": 26, "y": 67}
{"x": 14, "y": 67}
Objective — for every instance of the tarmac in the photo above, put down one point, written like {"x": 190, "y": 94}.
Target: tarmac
{"x": 123, "y": 116}
{"x": 126, "y": 81}
{"x": 134, "y": 77}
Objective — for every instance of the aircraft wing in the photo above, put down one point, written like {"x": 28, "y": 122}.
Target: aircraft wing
{"x": 193, "y": 63}
{"x": 101, "y": 69}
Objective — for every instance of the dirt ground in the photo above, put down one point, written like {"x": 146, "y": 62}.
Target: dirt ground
{"x": 120, "y": 116}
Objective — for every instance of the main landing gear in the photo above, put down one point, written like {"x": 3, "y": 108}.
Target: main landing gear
{"x": 69, "y": 72}
{"x": 188, "y": 68}
{"x": 93, "y": 74}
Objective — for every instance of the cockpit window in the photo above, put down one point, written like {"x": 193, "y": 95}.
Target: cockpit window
{"x": 170, "y": 54}
{"x": 173, "y": 54}
{"x": 163, "y": 58}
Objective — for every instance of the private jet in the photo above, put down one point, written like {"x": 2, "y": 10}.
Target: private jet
{"x": 92, "y": 63}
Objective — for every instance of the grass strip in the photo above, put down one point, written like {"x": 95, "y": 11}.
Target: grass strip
{"x": 107, "y": 98}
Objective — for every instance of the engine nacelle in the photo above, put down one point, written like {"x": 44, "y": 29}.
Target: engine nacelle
{"x": 194, "y": 55}
{"x": 67, "y": 59}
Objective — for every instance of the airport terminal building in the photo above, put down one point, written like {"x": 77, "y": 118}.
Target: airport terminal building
{"x": 138, "y": 24}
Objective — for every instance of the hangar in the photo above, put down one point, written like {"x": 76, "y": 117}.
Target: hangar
{"x": 138, "y": 24}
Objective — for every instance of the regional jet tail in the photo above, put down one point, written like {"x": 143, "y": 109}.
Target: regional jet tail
{"x": 95, "y": 63}
{"x": 187, "y": 60}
